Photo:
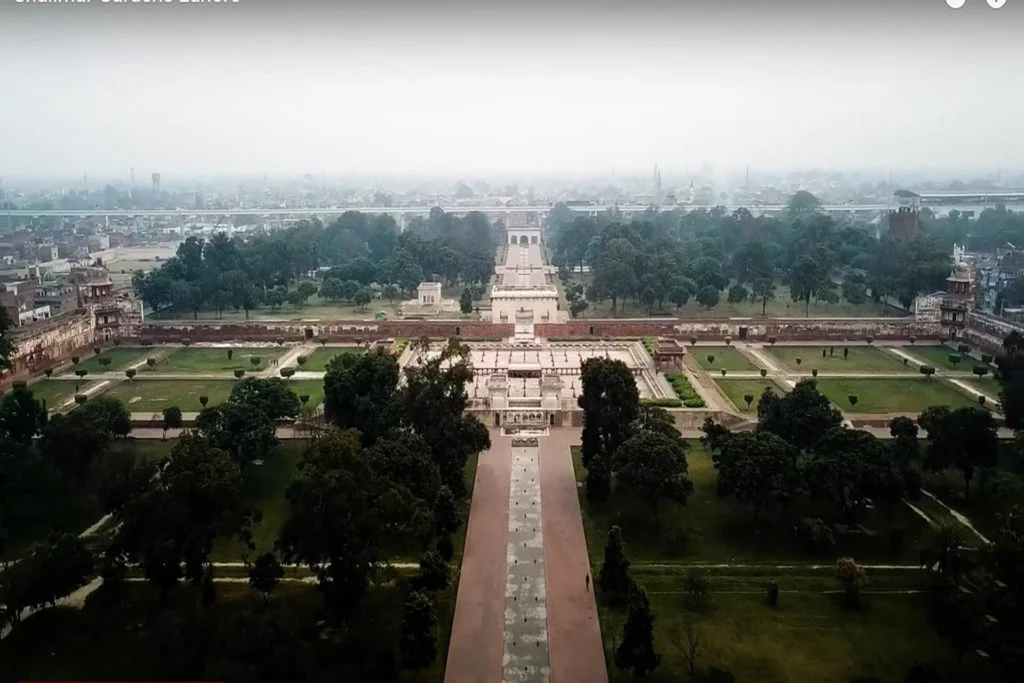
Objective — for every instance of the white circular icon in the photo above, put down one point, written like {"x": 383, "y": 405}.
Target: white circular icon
{"x": 956, "y": 4}
{"x": 996, "y": 4}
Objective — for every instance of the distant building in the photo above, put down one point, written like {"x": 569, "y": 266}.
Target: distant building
{"x": 904, "y": 217}
{"x": 429, "y": 294}
{"x": 928, "y": 307}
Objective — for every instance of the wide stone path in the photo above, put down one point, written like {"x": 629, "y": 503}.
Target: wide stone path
{"x": 574, "y": 632}
{"x": 526, "y": 614}
{"x": 476, "y": 650}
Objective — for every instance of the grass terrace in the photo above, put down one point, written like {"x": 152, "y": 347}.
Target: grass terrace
{"x": 152, "y": 396}
{"x": 120, "y": 359}
{"x": 809, "y": 636}
{"x": 938, "y": 356}
{"x": 317, "y": 360}
{"x": 736, "y": 389}
{"x": 58, "y": 391}
{"x": 860, "y": 359}
{"x": 209, "y": 360}
{"x": 909, "y": 395}
{"x": 726, "y": 357}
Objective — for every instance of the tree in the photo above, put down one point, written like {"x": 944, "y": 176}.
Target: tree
{"x": 655, "y": 466}
{"x": 707, "y": 297}
{"x": 433, "y": 402}
{"x": 172, "y": 419}
{"x": 852, "y": 577}
{"x": 611, "y": 403}
{"x": 636, "y": 652}
{"x": 271, "y": 396}
{"x": 614, "y": 575}
{"x": 362, "y": 297}
{"x": 241, "y": 430}
{"x": 800, "y": 417}
{"x": 434, "y": 574}
{"x": 58, "y": 567}
{"x": 405, "y": 458}
{"x": 758, "y": 468}
{"x": 466, "y": 301}
{"x": 806, "y": 279}
{"x": 359, "y": 393}
{"x": 447, "y": 517}
{"x": 170, "y": 527}
{"x": 964, "y": 438}
{"x": 905, "y": 445}
{"x": 341, "y": 511}
{"x": 265, "y": 573}
{"x": 21, "y": 415}
{"x": 416, "y": 641}
{"x": 737, "y": 294}
{"x": 764, "y": 291}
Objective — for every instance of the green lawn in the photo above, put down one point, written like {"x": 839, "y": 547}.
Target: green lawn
{"x": 809, "y": 636}
{"x": 138, "y": 639}
{"x": 989, "y": 386}
{"x": 781, "y": 307}
{"x": 736, "y": 389}
{"x": 264, "y": 489}
{"x": 56, "y": 391}
{"x": 861, "y": 359}
{"x": 144, "y": 396}
{"x": 911, "y": 395}
{"x": 726, "y": 357}
{"x": 319, "y": 359}
{"x": 938, "y": 356}
{"x": 714, "y": 529}
{"x": 56, "y": 505}
{"x": 216, "y": 360}
{"x": 120, "y": 358}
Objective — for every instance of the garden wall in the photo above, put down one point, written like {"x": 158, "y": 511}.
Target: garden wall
{"x": 209, "y": 331}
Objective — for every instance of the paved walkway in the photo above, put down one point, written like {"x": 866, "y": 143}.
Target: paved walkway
{"x": 574, "y": 632}
{"x": 475, "y": 653}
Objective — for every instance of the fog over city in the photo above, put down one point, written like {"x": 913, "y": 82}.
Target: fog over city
{"x": 464, "y": 88}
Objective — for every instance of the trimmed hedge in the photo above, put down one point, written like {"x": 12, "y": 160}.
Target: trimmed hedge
{"x": 651, "y": 345}
{"x": 683, "y": 389}
{"x": 662, "y": 402}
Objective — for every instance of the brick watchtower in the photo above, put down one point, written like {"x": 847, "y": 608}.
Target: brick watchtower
{"x": 904, "y": 215}
{"x": 959, "y": 299}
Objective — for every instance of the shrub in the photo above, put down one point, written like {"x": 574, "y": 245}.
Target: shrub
{"x": 697, "y": 586}
{"x": 723, "y": 372}
{"x": 75, "y": 360}
{"x": 869, "y": 339}
{"x": 817, "y": 536}
{"x": 81, "y": 398}
{"x": 48, "y": 372}
{"x": 693, "y": 341}
{"x": 130, "y": 374}
{"x": 203, "y": 400}
{"x": 814, "y": 372}
{"x": 103, "y": 362}
{"x": 81, "y": 372}
{"x": 748, "y": 398}
{"x": 287, "y": 372}
{"x": 711, "y": 359}
{"x": 926, "y": 370}
{"x": 96, "y": 350}
{"x": 304, "y": 398}
{"x": 772, "y": 340}
{"x": 255, "y": 361}
{"x": 662, "y": 402}
{"x": 186, "y": 343}
{"x": 981, "y": 400}
{"x": 239, "y": 373}
{"x": 986, "y": 358}
{"x": 963, "y": 348}
{"x": 684, "y": 390}
{"x": 764, "y": 372}
{"x": 301, "y": 360}
{"x": 147, "y": 342}
{"x": 799, "y": 360}
{"x": 151, "y": 362}
{"x": 912, "y": 340}
{"x": 728, "y": 341}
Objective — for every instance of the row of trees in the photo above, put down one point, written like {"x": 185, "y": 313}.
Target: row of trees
{"x": 672, "y": 256}
{"x": 356, "y": 258}
{"x": 386, "y": 476}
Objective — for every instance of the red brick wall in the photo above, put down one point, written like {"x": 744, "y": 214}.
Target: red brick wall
{"x": 785, "y": 329}
{"x": 331, "y": 332}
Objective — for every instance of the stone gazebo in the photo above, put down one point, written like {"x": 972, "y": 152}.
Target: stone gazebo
{"x": 668, "y": 355}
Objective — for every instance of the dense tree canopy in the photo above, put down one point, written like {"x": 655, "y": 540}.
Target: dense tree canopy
{"x": 355, "y": 258}
{"x": 674, "y": 255}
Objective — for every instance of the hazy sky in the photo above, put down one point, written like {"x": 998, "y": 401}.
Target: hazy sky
{"x": 464, "y": 87}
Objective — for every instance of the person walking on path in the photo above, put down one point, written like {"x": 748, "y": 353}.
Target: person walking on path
{"x": 588, "y": 582}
